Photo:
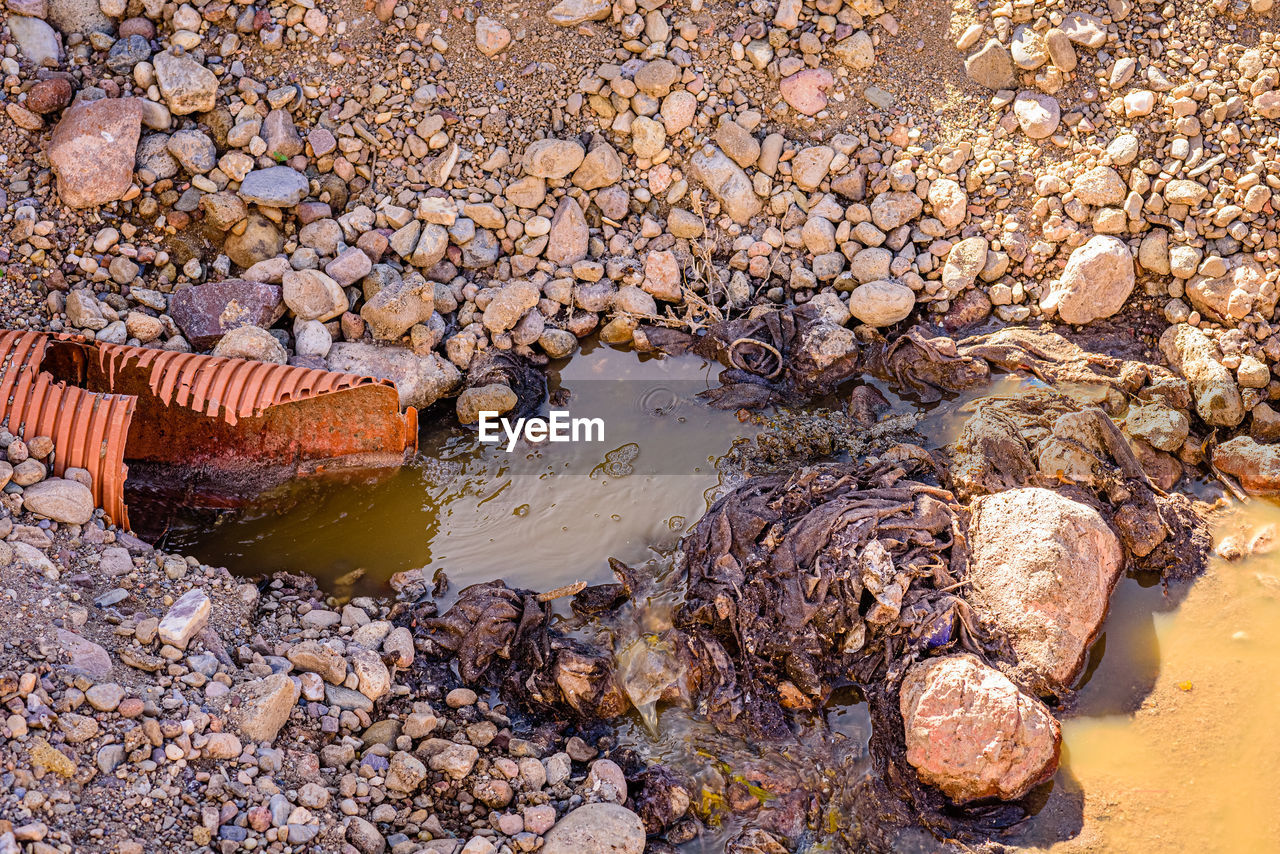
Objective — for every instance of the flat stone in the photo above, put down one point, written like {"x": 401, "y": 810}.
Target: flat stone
{"x": 38, "y": 42}
{"x": 725, "y": 179}
{"x": 1097, "y": 280}
{"x": 206, "y": 312}
{"x": 66, "y": 501}
{"x": 570, "y": 13}
{"x": 186, "y": 618}
{"x": 553, "y": 158}
{"x": 420, "y": 380}
{"x": 992, "y": 67}
{"x": 86, "y": 657}
{"x": 275, "y": 186}
{"x": 806, "y": 90}
{"x": 92, "y": 151}
{"x": 568, "y": 239}
{"x": 1038, "y": 114}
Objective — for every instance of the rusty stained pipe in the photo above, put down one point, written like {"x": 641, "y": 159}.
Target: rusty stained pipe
{"x": 193, "y": 424}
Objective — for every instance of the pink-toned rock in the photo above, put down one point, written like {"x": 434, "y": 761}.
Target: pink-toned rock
{"x": 1042, "y": 568}
{"x": 974, "y": 734}
{"x": 567, "y": 241}
{"x": 662, "y": 276}
{"x": 491, "y": 37}
{"x": 92, "y": 151}
{"x": 806, "y": 90}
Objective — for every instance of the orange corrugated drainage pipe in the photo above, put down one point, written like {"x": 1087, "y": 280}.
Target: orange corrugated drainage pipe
{"x": 212, "y": 420}
{"x": 89, "y": 430}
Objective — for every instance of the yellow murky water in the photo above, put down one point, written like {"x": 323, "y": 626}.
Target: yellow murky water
{"x": 538, "y": 517}
{"x": 1196, "y": 766}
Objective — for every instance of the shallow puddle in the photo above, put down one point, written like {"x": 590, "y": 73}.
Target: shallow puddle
{"x": 1174, "y": 746}
{"x": 538, "y": 517}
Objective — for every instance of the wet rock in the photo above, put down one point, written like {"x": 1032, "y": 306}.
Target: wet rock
{"x": 881, "y": 303}
{"x": 251, "y": 342}
{"x": 275, "y": 186}
{"x": 974, "y": 734}
{"x": 806, "y": 90}
{"x": 260, "y": 241}
{"x": 568, "y": 238}
{"x": 39, "y": 42}
{"x": 596, "y": 829}
{"x": 1042, "y": 567}
{"x": 1096, "y": 282}
{"x": 727, "y": 182}
{"x": 206, "y": 312}
{"x": 992, "y": 66}
{"x": 92, "y": 151}
{"x": 186, "y": 85}
{"x": 420, "y": 380}
{"x": 61, "y": 500}
{"x": 553, "y": 158}
{"x": 1190, "y": 352}
{"x": 265, "y": 706}
{"x": 1255, "y": 465}
{"x": 493, "y": 397}
{"x": 186, "y": 618}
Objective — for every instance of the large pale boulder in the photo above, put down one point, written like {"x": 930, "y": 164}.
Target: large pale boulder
{"x": 1096, "y": 282}
{"x": 1042, "y": 568}
{"x": 973, "y": 733}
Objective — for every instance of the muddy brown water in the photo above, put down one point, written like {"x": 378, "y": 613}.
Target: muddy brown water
{"x": 1169, "y": 744}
